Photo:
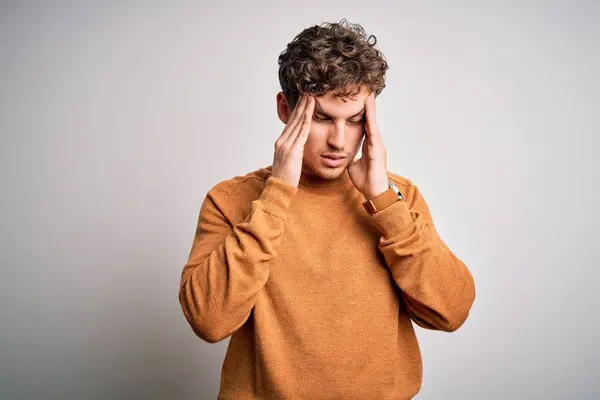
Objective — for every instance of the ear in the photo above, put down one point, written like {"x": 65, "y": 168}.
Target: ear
{"x": 283, "y": 109}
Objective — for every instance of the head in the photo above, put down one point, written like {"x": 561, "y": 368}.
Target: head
{"x": 340, "y": 66}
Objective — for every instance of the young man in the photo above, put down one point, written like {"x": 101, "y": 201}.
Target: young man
{"x": 316, "y": 265}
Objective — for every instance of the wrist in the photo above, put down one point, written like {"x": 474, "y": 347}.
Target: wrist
{"x": 383, "y": 200}
{"x": 376, "y": 193}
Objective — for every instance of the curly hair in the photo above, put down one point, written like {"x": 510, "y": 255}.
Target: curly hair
{"x": 336, "y": 57}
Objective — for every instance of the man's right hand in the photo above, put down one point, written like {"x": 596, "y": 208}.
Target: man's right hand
{"x": 289, "y": 147}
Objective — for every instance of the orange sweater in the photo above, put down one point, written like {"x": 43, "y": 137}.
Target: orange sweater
{"x": 316, "y": 294}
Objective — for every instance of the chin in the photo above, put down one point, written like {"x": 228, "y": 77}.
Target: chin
{"x": 326, "y": 172}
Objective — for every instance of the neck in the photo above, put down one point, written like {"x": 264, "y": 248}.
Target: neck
{"x": 310, "y": 179}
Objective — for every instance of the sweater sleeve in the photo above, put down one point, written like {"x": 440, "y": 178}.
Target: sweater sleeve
{"x": 436, "y": 285}
{"x": 228, "y": 265}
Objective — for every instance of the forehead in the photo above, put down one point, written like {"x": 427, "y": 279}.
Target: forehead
{"x": 336, "y": 106}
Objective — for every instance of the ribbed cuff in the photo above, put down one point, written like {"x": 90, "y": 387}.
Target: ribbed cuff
{"x": 393, "y": 219}
{"x": 277, "y": 196}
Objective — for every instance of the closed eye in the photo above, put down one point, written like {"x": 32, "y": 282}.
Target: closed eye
{"x": 357, "y": 122}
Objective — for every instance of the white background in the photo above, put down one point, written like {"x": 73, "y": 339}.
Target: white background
{"x": 117, "y": 117}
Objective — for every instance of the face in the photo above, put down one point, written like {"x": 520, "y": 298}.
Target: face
{"x": 337, "y": 128}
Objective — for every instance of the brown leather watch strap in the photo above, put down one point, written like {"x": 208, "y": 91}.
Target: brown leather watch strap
{"x": 382, "y": 201}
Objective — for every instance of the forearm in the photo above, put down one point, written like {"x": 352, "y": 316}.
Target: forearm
{"x": 436, "y": 285}
{"x": 227, "y": 269}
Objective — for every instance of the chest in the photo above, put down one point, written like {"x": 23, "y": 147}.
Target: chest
{"x": 328, "y": 253}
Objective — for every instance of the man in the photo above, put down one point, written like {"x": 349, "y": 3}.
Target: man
{"x": 316, "y": 265}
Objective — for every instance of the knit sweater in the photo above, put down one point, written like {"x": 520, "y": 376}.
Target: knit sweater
{"x": 318, "y": 296}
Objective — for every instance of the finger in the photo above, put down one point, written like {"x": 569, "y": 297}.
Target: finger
{"x": 370, "y": 109}
{"x": 373, "y": 108}
{"x": 298, "y": 110}
{"x": 294, "y": 119}
{"x": 304, "y": 130}
{"x": 296, "y": 128}
{"x": 371, "y": 119}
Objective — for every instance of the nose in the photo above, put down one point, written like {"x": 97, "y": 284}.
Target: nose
{"x": 337, "y": 137}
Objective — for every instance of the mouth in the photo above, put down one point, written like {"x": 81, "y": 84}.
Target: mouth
{"x": 332, "y": 161}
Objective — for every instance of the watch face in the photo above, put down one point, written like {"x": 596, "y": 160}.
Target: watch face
{"x": 392, "y": 185}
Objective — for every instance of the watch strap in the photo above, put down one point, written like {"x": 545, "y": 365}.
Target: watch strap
{"x": 382, "y": 201}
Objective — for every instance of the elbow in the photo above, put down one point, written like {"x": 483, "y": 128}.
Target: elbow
{"x": 447, "y": 316}
{"x": 460, "y": 312}
{"x": 207, "y": 327}
{"x": 446, "y": 322}
{"x": 210, "y": 333}
{"x": 203, "y": 322}
{"x": 209, "y": 323}
{"x": 452, "y": 322}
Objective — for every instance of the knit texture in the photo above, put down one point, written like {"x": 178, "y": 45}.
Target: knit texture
{"x": 318, "y": 296}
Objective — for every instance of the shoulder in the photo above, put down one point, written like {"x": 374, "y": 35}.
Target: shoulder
{"x": 242, "y": 185}
{"x": 235, "y": 195}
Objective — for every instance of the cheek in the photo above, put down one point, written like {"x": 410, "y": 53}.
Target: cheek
{"x": 318, "y": 130}
{"x": 357, "y": 136}
{"x": 316, "y": 137}
{"x": 311, "y": 144}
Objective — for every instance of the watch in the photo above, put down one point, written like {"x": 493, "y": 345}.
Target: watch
{"x": 391, "y": 195}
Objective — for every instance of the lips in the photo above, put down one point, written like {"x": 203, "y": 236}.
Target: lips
{"x": 333, "y": 157}
{"x": 333, "y": 162}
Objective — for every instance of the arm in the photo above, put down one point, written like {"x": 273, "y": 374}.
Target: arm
{"x": 228, "y": 265}
{"x": 437, "y": 287}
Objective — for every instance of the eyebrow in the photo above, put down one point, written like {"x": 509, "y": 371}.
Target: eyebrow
{"x": 320, "y": 111}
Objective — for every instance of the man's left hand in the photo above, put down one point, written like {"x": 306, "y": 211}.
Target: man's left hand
{"x": 369, "y": 173}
